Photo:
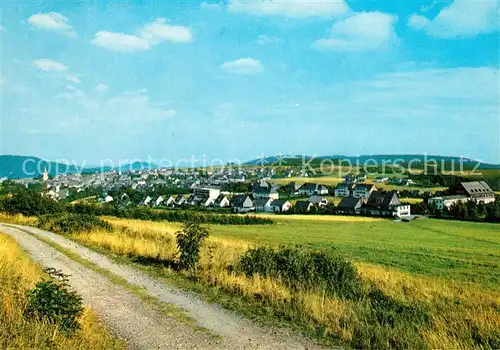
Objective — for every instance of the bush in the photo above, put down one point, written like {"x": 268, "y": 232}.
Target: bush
{"x": 305, "y": 269}
{"x": 71, "y": 223}
{"x": 52, "y": 300}
{"x": 30, "y": 203}
{"x": 189, "y": 241}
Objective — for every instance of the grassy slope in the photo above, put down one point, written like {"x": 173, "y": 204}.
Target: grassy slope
{"x": 462, "y": 314}
{"x": 455, "y": 250}
{"x": 462, "y": 251}
{"x": 19, "y": 274}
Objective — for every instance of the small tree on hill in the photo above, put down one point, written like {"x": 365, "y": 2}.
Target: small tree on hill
{"x": 189, "y": 241}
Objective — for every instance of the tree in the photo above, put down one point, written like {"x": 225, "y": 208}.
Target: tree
{"x": 30, "y": 203}
{"x": 189, "y": 241}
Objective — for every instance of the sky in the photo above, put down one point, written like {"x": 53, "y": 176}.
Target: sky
{"x": 84, "y": 81}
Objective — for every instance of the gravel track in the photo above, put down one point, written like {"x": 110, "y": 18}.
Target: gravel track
{"x": 139, "y": 324}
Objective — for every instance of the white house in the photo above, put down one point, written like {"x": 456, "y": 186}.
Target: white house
{"x": 303, "y": 206}
{"x": 159, "y": 200}
{"x": 319, "y": 201}
{"x": 385, "y": 204}
{"x": 207, "y": 201}
{"x": 343, "y": 190}
{"x": 180, "y": 200}
{"x": 401, "y": 210}
{"x": 169, "y": 201}
{"x": 363, "y": 191}
{"x": 361, "y": 177}
{"x": 262, "y": 204}
{"x": 242, "y": 204}
{"x": 147, "y": 200}
{"x": 108, "y": 199}
{"x": 264, "y": 190}
{"x": 280, "y": 205}
{"x": 222, "y": 202}
{"x": 310, "y": 189}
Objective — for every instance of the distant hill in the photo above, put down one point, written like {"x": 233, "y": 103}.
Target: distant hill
{"x": 138, "y": 166}
{"x": 403, "y": 159}
{"x": 19, "y": 167}
{"x": 277, "y": 159}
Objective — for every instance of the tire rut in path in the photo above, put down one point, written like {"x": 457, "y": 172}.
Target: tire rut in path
{"x": 140, "y": 326}
{"x": 236, "y": 332}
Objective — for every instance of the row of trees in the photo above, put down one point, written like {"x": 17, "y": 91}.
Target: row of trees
{"x": 475, "y": 212}
{"x": 468, "y": 211}
{"x": 31, "y": 203}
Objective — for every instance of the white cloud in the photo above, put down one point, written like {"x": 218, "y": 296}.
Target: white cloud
{"x": 120, "y": 42}
{"x": 418, "y": 22}
{"x": 265, "y": 39}
{"x": 72, "y": 78}
{"x": 129, "y": 110}
{"x": 460, "y": 18}
{"x": 159, "y": 30}
{"x": 360, "y": 32}
{"x": 52, "y": 21}
{"x": 46, "y": 65}
{"x": 101, "y": 87}
{"x": 150, "y": 35}
{"x": 243, "y": 66}
{"x": 135, "y": 106}
{"x": 56, "y": 69}
{"x": 293, "y": 8}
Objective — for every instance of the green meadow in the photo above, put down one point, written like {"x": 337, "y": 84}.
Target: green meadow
{"x": 462, "y": 251}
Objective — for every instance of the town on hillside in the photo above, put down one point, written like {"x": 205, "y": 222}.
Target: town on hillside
{"x": 256, "y": 189}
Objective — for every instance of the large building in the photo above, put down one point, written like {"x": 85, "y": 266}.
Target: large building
{"x": 477, "y": 191}
{"x": 210, "y": 192}
{"x": 446, "y": 201}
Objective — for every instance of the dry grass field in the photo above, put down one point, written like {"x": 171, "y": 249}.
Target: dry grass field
{"x": 18, "y": 274}
{"x": 446, "y": 271}
{"x": 462, "y": 309}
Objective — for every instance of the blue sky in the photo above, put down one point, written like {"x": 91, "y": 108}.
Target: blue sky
{"x": 236, "y": 79}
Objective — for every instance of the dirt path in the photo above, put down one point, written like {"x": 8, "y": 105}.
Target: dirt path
{"x": 140, "y": 325}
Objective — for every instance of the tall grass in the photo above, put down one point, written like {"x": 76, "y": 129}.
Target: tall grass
{"x": 19, "y": 274}
{"x": 396, "y": 309}
{"x": 18, "y": 219}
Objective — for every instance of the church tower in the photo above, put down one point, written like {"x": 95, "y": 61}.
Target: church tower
{"x": 45, "y": 176}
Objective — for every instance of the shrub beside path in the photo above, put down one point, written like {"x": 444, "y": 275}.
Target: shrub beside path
{"x": 138, "y": 323}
